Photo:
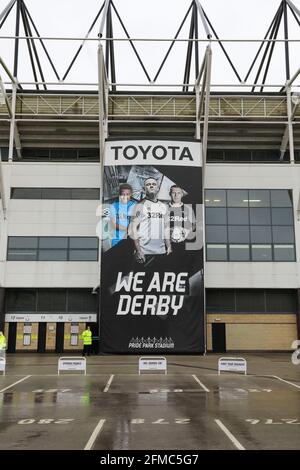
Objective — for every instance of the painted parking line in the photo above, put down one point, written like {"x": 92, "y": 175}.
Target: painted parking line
{"x": 233, "y": 439}
{"x": 200, "y": 383}
{"x": 95, "y": 434}
{"x": 15, "y": 383}
{"x": 286, "y": 381}
{"x": 108, "y": 383}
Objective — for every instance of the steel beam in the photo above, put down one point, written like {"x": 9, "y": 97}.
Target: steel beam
{"x": 14, "y": 136}
{"x": 103, "y": 127}
{"x": 290, "y": 124}
{"x": 207, "y": 101}
{"x": 7, "y": 9}
{"x": 104, "y": 17}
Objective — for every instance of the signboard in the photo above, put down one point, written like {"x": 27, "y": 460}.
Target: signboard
{"x": 152, "y": 363}
{"x": 51, "y": 317}
{"x": 232, "y": 364}
{"x": 152, "y": 248}
{"x": 71, "y": 363}
{"x": 2, "y": 365}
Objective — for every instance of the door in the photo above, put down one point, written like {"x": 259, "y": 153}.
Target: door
{"x": 50, "y": 337}
{"x": 12, "y": 336}
{"x": 219, "y": 337}
{"x": 42, "y": 337}
{"x": 60, "y": 328}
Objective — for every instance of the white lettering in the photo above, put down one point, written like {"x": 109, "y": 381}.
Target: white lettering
{"x": 124, "y": 310}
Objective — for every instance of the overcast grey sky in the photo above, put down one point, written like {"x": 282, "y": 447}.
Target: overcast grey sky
{"x": 232, "y": 19}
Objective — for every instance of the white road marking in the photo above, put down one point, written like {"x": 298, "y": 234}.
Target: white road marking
{"x": 94, "y": 435}
{"x": 6, "y": 388}
{"x": 200, "y": 383}
{"x": 237, "y": 444}
{"x": 108, "y": 383}
{"x": 286, "y": 381}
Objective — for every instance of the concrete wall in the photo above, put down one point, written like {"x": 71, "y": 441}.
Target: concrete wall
{"x": 49, "y": 218}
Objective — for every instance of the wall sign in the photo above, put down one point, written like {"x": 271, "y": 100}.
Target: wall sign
{"x": 51, "y": 317}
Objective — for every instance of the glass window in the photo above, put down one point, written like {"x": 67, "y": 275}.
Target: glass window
{"x": 216, "y": 233}
{"x": 89, "y": 153}
{"x": 86, "y": 193}
{"x": 53, "y": 255}
{"x": 26, "y": 193}
{"x": 238, "y": 155}
{"x": 284, "y": 253}
{"x": 238, "y": 234}
{"x": 238, "y": 216}
{"x": 250, "y": 300}
{"x": 215, "y": 216}
{"x": 216, "y": 252}
{"x": 56, "y": 193}
{"x": 63, "y": 154}
{"x": 260, "y": 216}
{"x": 82, "y": 301}
{"x": 22, "y": 242}
{"x": 215, "y": 155}
{"x": 21, "y": 254}
{"x": 281, "y": 198}
{"x": 261, "y": 252}
{"x": 83, "y": 255}
{"x": 32, "y": 153}
{"x": 259, "y": 198}
{"x": 283, "y": 216}
{"x": 51, "y": 300}
{"x": 281, "y": 300}
{"x": 239, "y": 253}
{"x": 215, "y": 197}
{"x": 53, "y": 242}
{"x": 84, "y": 242}
{"x": 263, "y": 155}
{"x": 283, "y": 234}
{"x": 21, "y": 300}
{"x": 261, "y": 234}
{"x": 220, "y": 300}
{"x": 237, "y": 197}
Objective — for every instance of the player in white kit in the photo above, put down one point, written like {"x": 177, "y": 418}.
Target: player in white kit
{"x": 149, "y": 228}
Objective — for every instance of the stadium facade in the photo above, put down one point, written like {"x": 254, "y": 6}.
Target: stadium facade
{"x": 51, "y": 186}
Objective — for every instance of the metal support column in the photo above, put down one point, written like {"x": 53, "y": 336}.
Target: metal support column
{"x": 12, "y": 123}
{"x": 290, "y": 123}
{"x": 103, "y": 126}
{"x": 207, "y": 101}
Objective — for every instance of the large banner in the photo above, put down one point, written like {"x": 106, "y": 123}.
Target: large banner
{"x": 152, "y": 296}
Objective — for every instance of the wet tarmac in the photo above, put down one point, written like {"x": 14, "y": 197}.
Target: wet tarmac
{"x": 115, "y": 408}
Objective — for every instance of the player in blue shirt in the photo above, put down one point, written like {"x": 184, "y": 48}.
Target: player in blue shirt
{"x": 121, "y": 212}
